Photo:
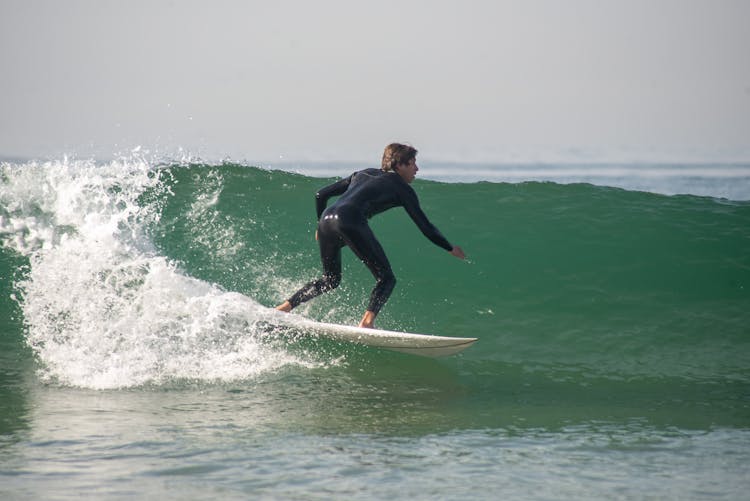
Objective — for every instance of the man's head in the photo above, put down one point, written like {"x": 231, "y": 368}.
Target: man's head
{"x": 395, "y": 155}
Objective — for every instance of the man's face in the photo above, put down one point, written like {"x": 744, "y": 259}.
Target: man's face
{"x": 408, "y": 171}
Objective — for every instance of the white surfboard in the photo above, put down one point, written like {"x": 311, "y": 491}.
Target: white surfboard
{"x": 405, "y": 342}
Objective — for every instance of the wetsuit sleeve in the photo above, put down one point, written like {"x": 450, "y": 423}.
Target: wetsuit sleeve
{"x": 332, "y": 190}
{"x": 411, "y": 204}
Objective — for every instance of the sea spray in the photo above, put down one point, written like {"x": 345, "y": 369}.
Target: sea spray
{"x": 102, "y": 309}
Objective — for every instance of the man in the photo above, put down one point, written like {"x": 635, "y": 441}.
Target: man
{"x": 362, "y": 195}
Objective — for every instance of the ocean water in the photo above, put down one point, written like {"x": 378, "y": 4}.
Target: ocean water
{"x": 139, "y": 357}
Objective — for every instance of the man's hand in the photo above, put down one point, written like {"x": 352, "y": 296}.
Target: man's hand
{"x": 458, "y": 252}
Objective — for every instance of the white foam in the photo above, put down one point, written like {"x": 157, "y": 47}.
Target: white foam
{"x": 207, "y": 227}
{"x": 102, "y": 308}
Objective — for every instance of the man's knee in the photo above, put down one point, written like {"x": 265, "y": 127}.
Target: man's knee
{"x": 387, "y": 280}
{"x": 331, "y": 281}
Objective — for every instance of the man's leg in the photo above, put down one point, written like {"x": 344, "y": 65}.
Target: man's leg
{"x": 365, "y": 245}
{"x": 330, "y": 256}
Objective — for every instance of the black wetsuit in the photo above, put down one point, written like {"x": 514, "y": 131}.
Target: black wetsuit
{"x": 363, "y": 194}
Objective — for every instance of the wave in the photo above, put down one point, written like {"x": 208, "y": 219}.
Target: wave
{"x": 138, "y": 273}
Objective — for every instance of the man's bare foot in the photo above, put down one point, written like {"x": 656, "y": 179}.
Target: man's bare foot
{"x": 368, "y": 321}
{"x": 286, "y": 307}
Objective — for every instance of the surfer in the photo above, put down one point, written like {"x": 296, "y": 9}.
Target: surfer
{"x": 362, "y": 195}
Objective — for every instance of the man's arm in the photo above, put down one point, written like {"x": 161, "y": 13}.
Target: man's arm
{"x": 411, "y": 204}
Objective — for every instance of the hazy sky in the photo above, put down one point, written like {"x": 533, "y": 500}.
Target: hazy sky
{"x": 337, "y": 80}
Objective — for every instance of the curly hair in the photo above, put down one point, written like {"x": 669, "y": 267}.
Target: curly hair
{"x": 396, "y": 154}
